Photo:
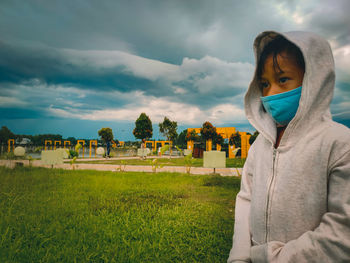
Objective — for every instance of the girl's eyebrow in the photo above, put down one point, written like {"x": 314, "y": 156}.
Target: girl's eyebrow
{"x": 280, "y": 73}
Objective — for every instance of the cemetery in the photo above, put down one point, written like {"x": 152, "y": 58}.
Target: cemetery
{"x": 57, "y": 153}
{"x": 224, "y": 149}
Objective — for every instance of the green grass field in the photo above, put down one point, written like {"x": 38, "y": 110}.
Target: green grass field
{"x": 53, "y": 215}
{"x": 237, "y": 163}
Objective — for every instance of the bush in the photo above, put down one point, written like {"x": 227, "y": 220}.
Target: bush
{"x": 38, "y": 149}
{"x": 73, "y": 154}
{"x": 9, "y": 156}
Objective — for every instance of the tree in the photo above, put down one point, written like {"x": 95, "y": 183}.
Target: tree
{"x": 39, "y": 139}
{"x": 143, "y": 127}
{"x": 181, "y": 139}
{"x": 235, "y": 139}
{"x": 72, "y": 140}
{"x": 208, "y": 131}
{"x": 192, "y": 136}
{"x": 218, "y": 139}
{"x": 6, "y": 134}
{"x": 253, "y": 137}
{"x": 106, "y": 134}
{"x": 169, "y": 129}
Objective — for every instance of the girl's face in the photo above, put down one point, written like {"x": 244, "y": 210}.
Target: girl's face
{"x": 286, "y": 77}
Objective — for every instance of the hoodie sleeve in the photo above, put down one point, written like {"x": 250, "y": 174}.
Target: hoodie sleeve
{"x": 330, "y": 241}
{"x": 240, "y": 251}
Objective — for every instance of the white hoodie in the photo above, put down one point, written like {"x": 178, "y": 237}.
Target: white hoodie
{"x": 294, "y": 202}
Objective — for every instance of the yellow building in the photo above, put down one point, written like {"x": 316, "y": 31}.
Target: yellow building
{"x": 154, "y": 145}
{"x": 226, "y": 133}
{"x": 244, "y": 144}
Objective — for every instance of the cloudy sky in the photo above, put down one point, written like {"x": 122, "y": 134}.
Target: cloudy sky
{"x": 72, "y": 67}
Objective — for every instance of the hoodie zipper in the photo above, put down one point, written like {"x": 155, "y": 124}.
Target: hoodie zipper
{"x": 269, "y": 193}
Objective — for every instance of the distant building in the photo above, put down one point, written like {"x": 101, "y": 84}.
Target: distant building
{"x": 226, "y": 133}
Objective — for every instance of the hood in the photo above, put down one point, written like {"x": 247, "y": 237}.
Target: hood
{"x": 317, "y": 91}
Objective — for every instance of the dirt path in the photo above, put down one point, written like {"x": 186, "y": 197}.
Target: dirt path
{"x": 126, "y": 168}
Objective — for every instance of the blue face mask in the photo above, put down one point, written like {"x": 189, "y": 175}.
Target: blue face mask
{"x": 283, "y": 106}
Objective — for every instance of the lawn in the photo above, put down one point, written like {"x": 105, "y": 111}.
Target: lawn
{"x": 54, "y": 215}
{"x": 197, "y": 162}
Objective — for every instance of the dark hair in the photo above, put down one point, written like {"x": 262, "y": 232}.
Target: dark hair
{"x": 277, "y": 46}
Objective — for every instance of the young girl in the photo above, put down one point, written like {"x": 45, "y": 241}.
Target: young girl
{"x": 294, "y": 202}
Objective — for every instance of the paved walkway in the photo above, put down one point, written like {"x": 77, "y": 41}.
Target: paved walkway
{"x": 126, "y": 168}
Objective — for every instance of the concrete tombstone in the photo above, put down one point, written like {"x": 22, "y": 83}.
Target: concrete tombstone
{"x": 51, "y": 157}
{"x": 142, "y": 152}
{"x": 19, "y": 151}
{"x": 214, "y": 159}
{"x": 100, "y": 151}
{"x": 64, "y": 152}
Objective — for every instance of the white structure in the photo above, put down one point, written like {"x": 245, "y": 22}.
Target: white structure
{"x": 100, "y": 151}
{"x": 214, "y": 159}
{"x": 19, "y": 151}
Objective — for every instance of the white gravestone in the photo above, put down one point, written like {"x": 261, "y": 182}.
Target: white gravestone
{"x": 64, "y": 152}
{"x": 214, "y": 159}
{"x": 142, "y": 152}
{"x": 51, "y": 157}
{"x": 100, "y": 151}
{"x": 19, "y": 151}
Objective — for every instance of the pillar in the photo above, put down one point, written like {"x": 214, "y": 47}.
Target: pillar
{"x": 190, "y": 145}
{"x": 208, "y": 145}
{"x": 231, "y": 151}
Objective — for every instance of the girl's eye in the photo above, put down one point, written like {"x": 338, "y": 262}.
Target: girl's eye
{"x": 284, "y": 80}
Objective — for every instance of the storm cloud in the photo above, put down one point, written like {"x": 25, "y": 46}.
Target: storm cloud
{"x": 111, "y": 60}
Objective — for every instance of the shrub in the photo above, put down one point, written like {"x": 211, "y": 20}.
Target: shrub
{"x": 73, "y": 153}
